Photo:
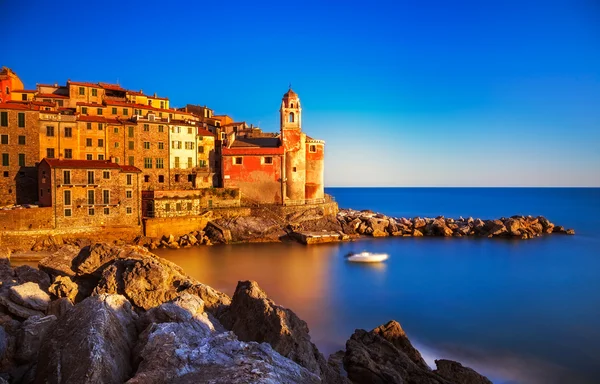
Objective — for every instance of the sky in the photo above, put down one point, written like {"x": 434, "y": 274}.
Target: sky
{"x": 405, "y": 93}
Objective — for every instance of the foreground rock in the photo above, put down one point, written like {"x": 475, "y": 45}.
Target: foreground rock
{"x": 385, "y": 355}
{"x": 252, "y": 316}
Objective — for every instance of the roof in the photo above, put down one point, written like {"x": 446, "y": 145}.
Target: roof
{"x": 204, "y": 132}
{"x": 89, "y": 164}
{"x": 102, "y": 119}
{"x": 18, "y": 105}
{"x": 290, "y": 94}
{"x": 83, "y": 84}
{"x": 230, "y": 124}
{"x": 255, "y": 142}
{"x": 24, "y": 90}
{"x": 240, "y": 151}
{"x": 51, "y": 96}
{"x": 95, "y": 105}
{"x": 112, "y": 87}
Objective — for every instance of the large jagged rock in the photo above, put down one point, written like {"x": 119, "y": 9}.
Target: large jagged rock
{"x": 214, "y": 301}
{"x": 59, "y": 307}
{"x": 438, "y": 227}
{"x": 29, "y": 295}
{"x": 3, "y": 342}
{"x": 179, "y": 353}
{"x": 60, "y": 262}
{"x": 25, "y": 274}
{"x": 456, "y": 373}
{"x": 17, "y": 309}
{"x": 252, "y": 316}
{"x": 31, "y": 335}
{"x": 91, "y": 343}
{"x": 63, "y": 286}
{"x": 94, "y": 259}
{"x": 393, "y": 332}
{"x": 217, "y": 233}
{"x": 246, "y": 228}
{"x": 494, "y": 228}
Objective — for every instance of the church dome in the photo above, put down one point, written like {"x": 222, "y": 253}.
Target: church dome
{"x": 290, "y": 94}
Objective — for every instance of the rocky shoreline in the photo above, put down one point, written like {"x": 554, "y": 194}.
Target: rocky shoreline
{"x": 115, "y": 314}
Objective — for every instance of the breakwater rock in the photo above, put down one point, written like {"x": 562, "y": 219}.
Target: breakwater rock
{"x": 378, "y": 225}
{"x": 115, "y": 314}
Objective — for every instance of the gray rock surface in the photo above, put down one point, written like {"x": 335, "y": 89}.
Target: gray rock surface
{"x": 30, "y": 295}
{"x": 30, "y": 338}
{"x": 456, "y": 373}
{"x": 25, "y": 273}
{"x": 16, "y": 309}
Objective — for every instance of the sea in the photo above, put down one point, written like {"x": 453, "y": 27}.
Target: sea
{"x": 517, "y": 311}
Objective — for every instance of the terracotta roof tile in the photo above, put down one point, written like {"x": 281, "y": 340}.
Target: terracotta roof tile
{"x": 51, "y": 96}
{"x": 24, "y": 90}
{"x": 83, "y": 84}
{"x": 89, "y": 164}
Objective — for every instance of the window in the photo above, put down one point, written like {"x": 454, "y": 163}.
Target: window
{"x": 189, "y": 162}
{"x": 94, "y": 92}
{"x": 67, "y": 178}
{"x": 189, "y": 145}
{"x": 294, "y": 169}
{"x": 160, "y": 163}
{"x": 89, "y": 142}
{"x": 116, "y": 144}
{"x": 167, "y": 207}
{"x": 201, "y": 149}
{"x": 130, "y": 145}
{"x": 67, "y": 197}
{"x": 178, "y": 207}
{"x": 101, "y": 142}
{"x": 129, "y": 179}
{"x": 177, "y": 178}
{"x": 50, "y": 153}
{"x": 3, "y": 119}
{"x": 106, "y": 175}
{"x": 162, "y": 105}
{"x": 4, "y": 139}
{"x": 117, "y": 160}
{"x": 99, "y": 111}
{"x": 68, "y": 132}
{"x": 190, "y": 178}
{"x": 146, "y": 178}
{"x": 84, "y": 111}
{"x": 106, "y": 211}
{"x": 49, "y": 131}
{"x": 161, "y": 179}
{"x": 146, "y": 127}
{"x": 21, "y": 120}
{"x": 116, "y": 130}
{"x": 202, "y": 163}
{"x": 176, "y": 162}
{"x": 146, "y": 145}
{"x": 291, "y": 105}
{"x": 59, "y": 102}
{"x": 91, "y": 211}
{"x": 312, "y": 148}
{"x": 268, "y": 160}
{"x": 147, "y": 162}
{"x": 237, "y": 160}
{"x": 130, "y": 131}
{"x": 189, "y": 130}
{"x": 161, "y": 129}
{"x": 100, "y": 157}
{"x": 89, "y": 157}
{"x": 91, "y": 178}
{"x": 176, "y": 144}
{"x": 68, "y": 153}
{"x": 81, "y": 91}
{"x": 22, "y": 140}
{"x": 291, "y": 117}
{"x": 113, "y": 110}
{"x": 100, "y": 126}
{"x": 125, "y": 111}
{"x": 24, "y": 97}
{"x": 161, "y": 145}
{"x": 130, "y": 160}
{"x": 91, "y": 198}
{"x": 88, "y": 125}
{"x": 21, "y": 159}
{"x": 68, "y": 212}
{"x": 5, "y": 174}
{"x": 105, "y": 196}
{"x": 129, "y": 210}
{"x": 129, "y": 194}
{"x": 189, "y": 206}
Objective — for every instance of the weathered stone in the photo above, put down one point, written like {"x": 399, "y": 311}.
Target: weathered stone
{"x": 91, "y": 343}
{"x": 94, "y": 259}
{"x": 3, "y": 342}
{"x": 16, "y": 309}
{"x": 438, "y": 227}
{"x": 31, "y": 335}
{"x": 63, "y": 286}
{"x": 393, "y": 332}
{"x": 494, "y": 228}
{"x": 60, "y": 262}
{"x": 47, "y": 243}
{"x": 59, "y": 307}
{"x": 417, "y": 233}
{"x": 29, "y": 295}
{"x": 419, "y": 223}
{"x": 456, "y": 373}
{"x": 25, "y": 274}
{"x": 252, "y": 316}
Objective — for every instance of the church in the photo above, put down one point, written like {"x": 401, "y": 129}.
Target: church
{"x": 284, "y": 168}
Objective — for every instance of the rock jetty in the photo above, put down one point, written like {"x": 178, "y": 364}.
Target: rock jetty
{"x": 120, "y": 314}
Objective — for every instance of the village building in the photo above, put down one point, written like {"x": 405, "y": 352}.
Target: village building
{"x": 90, "y": 193}
{"x": 276, "y": 169}
{"x": 58, "y": 135}
{"x": 9, "y": 81}
{"x": 19, "y": 151}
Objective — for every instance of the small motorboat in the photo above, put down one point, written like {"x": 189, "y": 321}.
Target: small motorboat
{"x": 366, "y": 257}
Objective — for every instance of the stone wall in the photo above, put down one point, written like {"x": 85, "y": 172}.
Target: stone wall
{"x": 26, "y": 219}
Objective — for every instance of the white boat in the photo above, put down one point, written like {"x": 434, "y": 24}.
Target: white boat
{"x": 366, "y": 257}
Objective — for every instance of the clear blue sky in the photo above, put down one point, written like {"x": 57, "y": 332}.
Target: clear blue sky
{"x": 407, "y": 93}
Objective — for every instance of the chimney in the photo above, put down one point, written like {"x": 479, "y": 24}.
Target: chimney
{"x": 112, "y": 159}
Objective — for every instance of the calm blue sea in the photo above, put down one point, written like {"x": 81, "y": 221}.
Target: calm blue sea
{"x": 518, "y": 311}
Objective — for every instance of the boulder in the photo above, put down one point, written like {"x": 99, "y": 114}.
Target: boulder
{"x": 16, "y": 309}
{"x": 214, "y": 301}
{"x": 494, "y": 228}
{"x": 379, "y": 226}
{"x": 456, "y": 373}
{"x": 47, "y": 243}
{"x": 252, "y": 316}
{"x": 94, "y": 259}
{"x": 30, "y": 295}
{"x": 30, "y": 338}
{"x": 91, "y": 343}
{"x": 393, "y": 332}
{"x": 417, "y": 233}
{"x": 419, "y": 223}
{"x": 63, "y": 286}
{"x": 25, "y": 274}
{"x": 547, "y": 226}
{"x": 59, "y": 263}
{"x": 3, "y": 342}
{"x": 59, "y": 307}
{"x": 438, "y": 227}
{"x": 7, "y": 274}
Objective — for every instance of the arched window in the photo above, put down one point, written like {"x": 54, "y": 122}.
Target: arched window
{"x": 292, "y": 105}
{"x": 291, "y": 119}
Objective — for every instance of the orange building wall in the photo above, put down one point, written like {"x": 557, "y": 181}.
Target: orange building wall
{"x": 257, "y": 181}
